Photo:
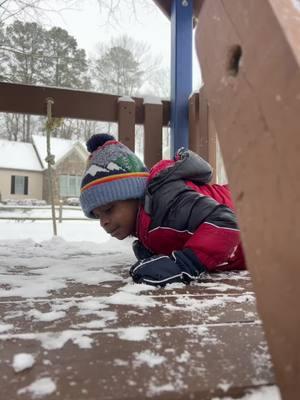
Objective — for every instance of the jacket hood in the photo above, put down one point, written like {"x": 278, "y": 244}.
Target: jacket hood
{"x": 186, "y": 165}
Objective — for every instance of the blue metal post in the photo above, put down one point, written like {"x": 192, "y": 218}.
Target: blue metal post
{"x": 181, "y": 71}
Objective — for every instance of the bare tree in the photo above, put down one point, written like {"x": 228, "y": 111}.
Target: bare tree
{"x": 114, "y": 9}
{"x": 126, "y": 66}
{"x": 38, "y": 10}
{"x": 32, "y": 10}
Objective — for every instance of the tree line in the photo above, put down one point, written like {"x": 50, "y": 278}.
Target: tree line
{"x": 35, "y": 55}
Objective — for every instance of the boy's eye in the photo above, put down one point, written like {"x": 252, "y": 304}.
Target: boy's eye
{"x": 103, "y": 211}
{"x": 107, "y": 210}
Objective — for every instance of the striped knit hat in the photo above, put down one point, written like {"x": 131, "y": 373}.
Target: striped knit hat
{"x": 113, "y": 173}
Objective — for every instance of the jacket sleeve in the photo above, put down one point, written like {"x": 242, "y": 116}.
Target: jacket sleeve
{"x": 216, "y": 239}
{"x": 215, "y": 233}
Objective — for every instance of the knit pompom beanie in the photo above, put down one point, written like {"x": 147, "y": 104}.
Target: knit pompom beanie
{"x": 113, "y": 173}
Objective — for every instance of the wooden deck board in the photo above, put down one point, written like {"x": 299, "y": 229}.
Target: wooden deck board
{"x": 202, "y": 340}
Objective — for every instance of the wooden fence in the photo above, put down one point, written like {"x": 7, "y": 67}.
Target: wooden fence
{"x": 152, "y": 113}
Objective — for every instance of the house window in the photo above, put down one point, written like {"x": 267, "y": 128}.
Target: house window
{"x": 19, "y": 184}
{"x": 69, "y": 185}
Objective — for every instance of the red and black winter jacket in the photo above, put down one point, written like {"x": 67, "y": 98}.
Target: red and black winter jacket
{"x": 181, "y": 212}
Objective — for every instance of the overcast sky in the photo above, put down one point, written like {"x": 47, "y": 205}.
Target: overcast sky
{"x": 88, "y": 24}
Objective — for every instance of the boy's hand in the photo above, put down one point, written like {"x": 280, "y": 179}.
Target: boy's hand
{"x": 160, "y": 270}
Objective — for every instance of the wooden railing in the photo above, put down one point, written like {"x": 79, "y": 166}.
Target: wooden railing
{"x": 152, "y": 113}
{"x": 125, "y": 111}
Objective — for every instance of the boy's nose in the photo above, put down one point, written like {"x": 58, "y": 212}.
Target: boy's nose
{"x": 104, "y": 222}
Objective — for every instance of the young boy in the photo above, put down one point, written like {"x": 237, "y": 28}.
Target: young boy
{"x": 184, "y": 225}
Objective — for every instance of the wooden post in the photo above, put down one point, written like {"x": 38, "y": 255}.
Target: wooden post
{"x": 202, "y": 131}
{"x": 212, "y": 146}
{"x": 153, "y": 131}
{"x": 194, "y": 134}
{"x": 60, "y": 211}
{"x": 50, "y": 161}
{"x": 126, "y": 121}
{"x": 253, "y": 91}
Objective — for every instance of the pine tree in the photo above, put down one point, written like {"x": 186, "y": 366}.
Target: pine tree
{"x": 67, "y": 65}
{"x": 32, "y": 55}
{"x": 117, "y": 71}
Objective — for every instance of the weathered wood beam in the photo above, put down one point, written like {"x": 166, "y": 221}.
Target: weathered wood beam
{"x": 165, "y": 6}
{"x": 69, "y": 103}
{"x": 250, "y": 61}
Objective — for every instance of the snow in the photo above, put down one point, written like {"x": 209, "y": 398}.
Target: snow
{"x": 23, "y": 361}
{"x": 155, "y": 389}
{"x": 129, "y": 288}
{"x": 224, "y": 386}
{"x": 18, "y": 155}
{"x": 102, "y": 318}
{"x": 196, "y": 304}
{"x": 75, "y": 255}
{"x": 263, "y": 393}
{"x": 184, "y": 357}
{"x": 39, "y": 388}
{"x": 52, "y": 265}
{"x": 135, "y": 333}
{"x": 131, "y": 299}
{"x": 12, "y": 211}
{"x": 85, "y": 230}
{"x": 49, "y": 316}
{"x": 55, "y": 340}
{"x": 33, "y": 264}
{"x": 59, "y": 147}
{"x": 126, "y": 99}
{"x": 5, "y": 327}
{"x": 152, "y": 100}
{"x": 149, "y": 358}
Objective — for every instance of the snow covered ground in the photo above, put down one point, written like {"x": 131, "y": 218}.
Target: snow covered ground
{"x": 82, "y": 230}
{"x": 34, "y": 265}
{"x": 42, "y": 230}
{"x": 53, "y": 257}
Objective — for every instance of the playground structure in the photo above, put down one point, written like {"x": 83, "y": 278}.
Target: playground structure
{"x": 253, "y": 91}
{"x": 152, "y": 113}
{"x": 251, "y": 99}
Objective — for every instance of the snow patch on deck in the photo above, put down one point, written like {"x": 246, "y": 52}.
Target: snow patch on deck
{"x": 46, "y": 317}
{"x": 22, "y": 361}
{"x": 32, "y": 270}
{"x": 5, "y": 327}
{"x": 131, "y": 299}
{"x": 263, "y": 393}
{"x": 149, "y": 358}
{"x": 135, "y": 333}
{"x": 39, "y": 388}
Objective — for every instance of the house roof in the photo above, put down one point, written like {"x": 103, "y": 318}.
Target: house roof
{"x": 18, "y": 155}
{"x": 31, "y": 157}
{"x": 59, "y": 147}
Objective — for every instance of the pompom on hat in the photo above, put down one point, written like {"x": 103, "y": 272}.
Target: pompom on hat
{"x": 113, "y": 173}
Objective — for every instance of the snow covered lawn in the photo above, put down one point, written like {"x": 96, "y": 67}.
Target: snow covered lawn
{"x": 74, "y": 326}
{"x": 86, "y": 230}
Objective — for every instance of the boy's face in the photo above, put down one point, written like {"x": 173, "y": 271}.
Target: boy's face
{"x": 118, "y": 218}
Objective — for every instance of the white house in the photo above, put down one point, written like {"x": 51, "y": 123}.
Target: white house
{"x": 23, "y": 169}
